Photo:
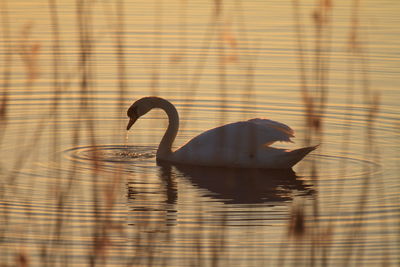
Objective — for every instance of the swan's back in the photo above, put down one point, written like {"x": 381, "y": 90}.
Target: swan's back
{"x": 243, "y": 143}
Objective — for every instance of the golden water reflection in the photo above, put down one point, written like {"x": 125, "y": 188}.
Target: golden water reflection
{"x": 74, "y": 191}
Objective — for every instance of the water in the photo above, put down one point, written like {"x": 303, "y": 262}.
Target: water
{"x": 76, "y": 190}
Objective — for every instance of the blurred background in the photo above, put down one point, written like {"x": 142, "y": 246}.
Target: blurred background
{"x": 77, "y": 190}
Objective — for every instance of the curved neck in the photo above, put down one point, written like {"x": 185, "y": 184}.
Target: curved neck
{"x": 165, "y": 147}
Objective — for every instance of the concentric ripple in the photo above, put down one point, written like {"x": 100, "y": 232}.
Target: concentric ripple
{"x": 140, "y": 155}
{"x": 112, "y": 153}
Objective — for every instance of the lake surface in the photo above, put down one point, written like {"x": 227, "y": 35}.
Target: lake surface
{"x": 78, "y": 190}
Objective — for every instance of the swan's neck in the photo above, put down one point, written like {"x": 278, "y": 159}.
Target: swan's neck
{"x": 164, "y": 151}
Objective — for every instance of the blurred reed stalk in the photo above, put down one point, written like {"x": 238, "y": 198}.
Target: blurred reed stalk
{"x": 372, "y": 103}
{"x": 29, "y": 52}
{"x": 103, "y": 198}
{"x": 247, "y": 60}
{"x": 7, "y": 66}
{"x": 5, "y": 79}
{"x": 314, "y": 96}
{"x": 314, "y": 101}
{"x": 218, "y": 242}
{"x": 350, "y": 84}
{"x": 53, "y": 250}
{"x": 57, "y": 86}
{"x": 157, "y": 47}
{"x": 182, "y": 56}
{"x": 86, "y": 79}
{"x": 26, "y": 147}
{"x": 219, "y": 18}
{"x": 120, "y": 53}
{"x": 208, "y": 39}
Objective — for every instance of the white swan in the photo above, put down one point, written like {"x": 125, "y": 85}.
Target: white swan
{"x": 244, "y": 144}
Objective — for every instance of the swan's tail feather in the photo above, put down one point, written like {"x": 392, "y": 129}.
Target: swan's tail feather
{"x": 299, "y": 154}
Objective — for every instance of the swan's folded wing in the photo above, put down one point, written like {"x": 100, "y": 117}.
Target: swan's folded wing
{"x": 270, "y": 131}
{"x": 244, "y": 135}
{"x": 232, "y": 142}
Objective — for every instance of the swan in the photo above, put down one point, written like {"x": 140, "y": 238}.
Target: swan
{"x": 243, "y": 144}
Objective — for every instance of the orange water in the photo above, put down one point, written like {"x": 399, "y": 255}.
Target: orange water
{"x": 71, "y": 178}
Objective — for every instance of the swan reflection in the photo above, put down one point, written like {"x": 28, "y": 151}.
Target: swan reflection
{"x": 238, "y": 185}
{"x": 226, "y": 185}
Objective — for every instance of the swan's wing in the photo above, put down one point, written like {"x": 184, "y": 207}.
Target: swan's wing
{"x": 234, "y": 143}
{"x": 270, "y": 131}
{"x": 242, "y": 135}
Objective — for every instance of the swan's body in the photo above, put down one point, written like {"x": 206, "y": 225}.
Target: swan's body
{"x": 240, "y": 144}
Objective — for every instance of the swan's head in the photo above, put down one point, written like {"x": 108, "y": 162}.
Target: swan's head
{"x": 138, "y": 109}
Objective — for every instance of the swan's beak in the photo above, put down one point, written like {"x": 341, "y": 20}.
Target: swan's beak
{"x": 130, "y": 123}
